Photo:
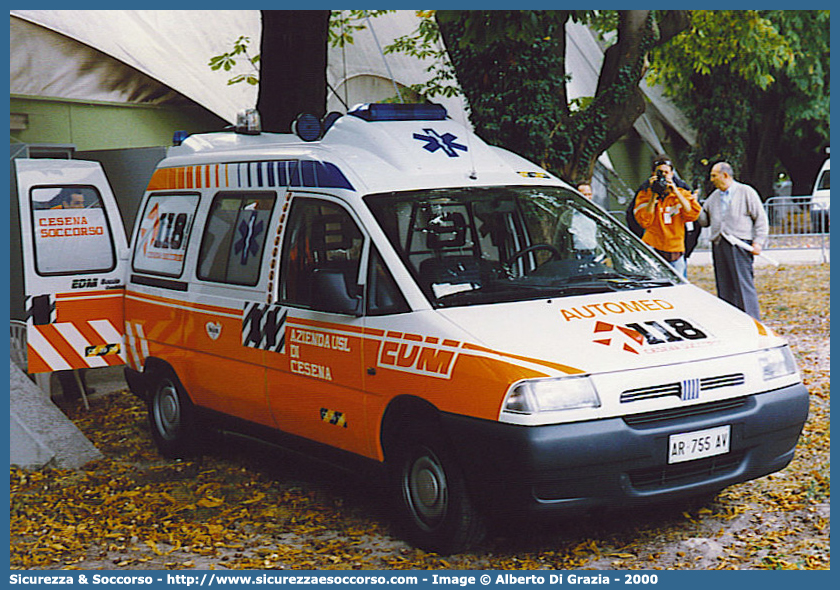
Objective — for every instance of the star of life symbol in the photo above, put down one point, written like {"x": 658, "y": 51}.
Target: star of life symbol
{"x": 625, "y": 338}
{"x": 248, "y": 242}
{"x": 435, "y": 141}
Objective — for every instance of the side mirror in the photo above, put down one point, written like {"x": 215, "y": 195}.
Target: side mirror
{"x": 332, "y": 291}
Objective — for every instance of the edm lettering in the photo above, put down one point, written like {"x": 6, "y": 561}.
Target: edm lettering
{"x": 416, "y": 357}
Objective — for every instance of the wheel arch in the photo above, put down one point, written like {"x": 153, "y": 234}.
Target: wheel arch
{"x": 155, "y": 366}
{"x": 402, "y": 411}
{"x": 140, "y": 383}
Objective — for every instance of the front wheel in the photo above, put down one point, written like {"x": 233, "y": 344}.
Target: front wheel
{"x": 171, "y": 417}
{"x": 437, "y": 511}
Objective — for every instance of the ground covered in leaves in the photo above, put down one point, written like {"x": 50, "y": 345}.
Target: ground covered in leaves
{"x": 248, "y": 506}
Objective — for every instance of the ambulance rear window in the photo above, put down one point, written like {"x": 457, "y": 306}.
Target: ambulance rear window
{"x": 72, "y": 231}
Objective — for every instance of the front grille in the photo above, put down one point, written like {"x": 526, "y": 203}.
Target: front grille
{"x": 666, "y": 389}
{"x": 682, "y": 473}
{"x": 684, "y": 412}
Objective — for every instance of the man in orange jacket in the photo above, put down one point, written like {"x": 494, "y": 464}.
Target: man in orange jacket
{"x": 663, "y": 209}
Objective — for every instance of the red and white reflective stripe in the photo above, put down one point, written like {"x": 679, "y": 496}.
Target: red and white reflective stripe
{"x": 72, "y": 336}
{"x": 109, "y": 333}
{"x": 39, "y": 344}
{"x": 63, "y": 345}
{"x": 137, "y": 345}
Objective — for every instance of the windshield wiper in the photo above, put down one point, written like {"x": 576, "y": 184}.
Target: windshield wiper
{"x": 619, "y": 279}
{"x": 494, "y": 294}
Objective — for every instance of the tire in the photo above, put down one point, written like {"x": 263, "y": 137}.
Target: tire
{"x": 435, "y": 508}
{"x": 171, "y": 417}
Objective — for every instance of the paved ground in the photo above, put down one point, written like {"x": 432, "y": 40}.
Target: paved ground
{"x": 780, "y": 255}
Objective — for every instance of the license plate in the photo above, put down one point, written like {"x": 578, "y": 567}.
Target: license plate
{"x": 698, "y": 444}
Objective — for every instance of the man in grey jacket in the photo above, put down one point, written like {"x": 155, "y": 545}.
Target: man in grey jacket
{"x": 734, "y": 210}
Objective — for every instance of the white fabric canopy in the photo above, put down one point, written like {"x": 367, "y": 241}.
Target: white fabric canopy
{"x": 169, "y": 48}
{"x": 365, "y": 70}
{"x": 161, "y": 56}
{"x": 142, "y": 56}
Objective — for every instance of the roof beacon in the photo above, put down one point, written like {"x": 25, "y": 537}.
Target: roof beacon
{"x": 399, "y": 112}
{"x": 307, "y": 126}
{"x": 179, "y": 136}
{"x": 248, "y": 122}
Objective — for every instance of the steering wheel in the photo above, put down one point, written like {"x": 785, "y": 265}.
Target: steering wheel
{"x": 555, "y": 253}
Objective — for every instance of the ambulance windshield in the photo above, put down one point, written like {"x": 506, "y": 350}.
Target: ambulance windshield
{"x": 485, "y": 245}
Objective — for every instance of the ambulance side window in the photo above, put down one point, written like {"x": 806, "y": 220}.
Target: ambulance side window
{"x": 234, "y": 238}
{"x": 321, "y": 254}
{"x": 72, "y": 233}
{"x": 383, "y": 294}
{"x": 164, "y": 232}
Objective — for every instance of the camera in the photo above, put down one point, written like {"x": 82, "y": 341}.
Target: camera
{"x": 660, "y": 184}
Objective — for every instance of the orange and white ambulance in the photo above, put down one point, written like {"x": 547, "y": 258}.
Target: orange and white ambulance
{"x": 386, "y": 285}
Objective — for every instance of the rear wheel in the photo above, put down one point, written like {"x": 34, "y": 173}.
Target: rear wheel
{"x": 171, "y": 417}
{"x": 436, "y": 509}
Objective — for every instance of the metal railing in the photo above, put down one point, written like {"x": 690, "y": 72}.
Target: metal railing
{"x": 795, "y": 224}
{"x": 798, "y": 223}
{"x": 18, "y": 354}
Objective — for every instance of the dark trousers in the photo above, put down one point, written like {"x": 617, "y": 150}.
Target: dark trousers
{"x": 734, "y": 277}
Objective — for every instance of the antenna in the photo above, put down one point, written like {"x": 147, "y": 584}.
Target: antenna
{"x": 443, "y": 56}
{"x": 338, "y": 96}
{"x": 385, "y": 61}
{"x": 344, "y": 65}
{"x": 473, "y": 174}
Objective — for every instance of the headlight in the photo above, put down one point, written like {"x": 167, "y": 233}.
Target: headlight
{"x": 776, "y": 362}
{"x": 546, "y": 395}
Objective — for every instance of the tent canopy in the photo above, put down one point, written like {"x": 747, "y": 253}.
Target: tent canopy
{"x": 161, "y": 57}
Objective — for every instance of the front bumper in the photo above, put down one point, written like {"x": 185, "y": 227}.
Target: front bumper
{"x": 619, "y": 461}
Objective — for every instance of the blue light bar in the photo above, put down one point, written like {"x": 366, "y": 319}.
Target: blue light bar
{"x": 399, "y": 112}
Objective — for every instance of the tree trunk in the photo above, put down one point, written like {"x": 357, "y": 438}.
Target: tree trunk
{"x": 802, "y": 159}
{"x": 618, "y": 99}
{"x": 293, "y": 66}
{"x": 764, "y": 137}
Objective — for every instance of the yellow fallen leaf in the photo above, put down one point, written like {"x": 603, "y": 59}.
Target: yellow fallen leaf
{"x": 255, "y": 499}
{"x": 211, "y": 502}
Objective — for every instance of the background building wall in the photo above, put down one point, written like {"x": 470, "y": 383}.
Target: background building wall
{"x": 97, "y": 126}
